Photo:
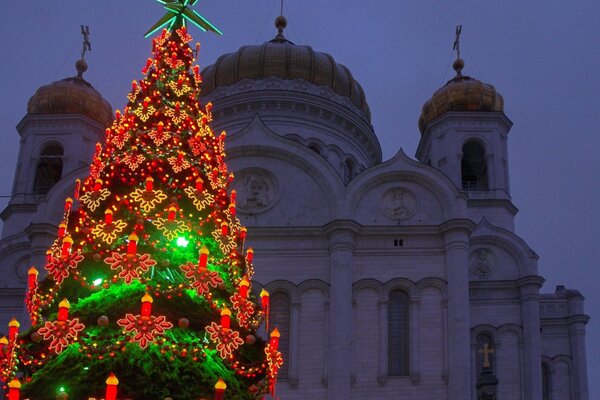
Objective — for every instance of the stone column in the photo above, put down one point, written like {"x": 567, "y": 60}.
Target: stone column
{"x": 577, "y": 321}
{"x": 383, "y": 342}
{"x": 339, "y": 360}
{"x": 456, "y": 245}
{"x": 529, "y": 287}
{"x": 294, "y": 330}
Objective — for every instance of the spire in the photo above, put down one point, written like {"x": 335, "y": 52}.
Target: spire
{"x": 280, "y": 24}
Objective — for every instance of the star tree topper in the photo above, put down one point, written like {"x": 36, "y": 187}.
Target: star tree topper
{"x": 178, "y": 12}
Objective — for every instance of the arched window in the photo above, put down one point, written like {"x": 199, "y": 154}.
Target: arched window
{"x": 280, "y": 318}
{"x": 485, "y": 353}
{"x": 398, "y": 334}
{"x": 49, "y": 169}
{"x": 545, "y": 381}
{"x": 474, "y": 167}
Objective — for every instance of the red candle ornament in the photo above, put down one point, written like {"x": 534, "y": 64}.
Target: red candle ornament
{"x": 172, "y": 212}
{"x": 48, "y": 256}
{"x": 224, "y": 228}
{"x": 149, "y": 184}
{"x": 3, "y": 344}
{"x": 111, "y": 387}
{"x": 133, "y": 85}
{"x": 132, "y": 245}
{"x": 77, "y": 187}
{"x": 203, "y": 258}
{"x": 220, "y": 389}
{"x": 62, "y": 229}
{"x": 68, "y": 204}
{"x": 66, "y": 246}
{"x": 13, "y": 329}
{"x": 32, "y": 276}
{"x": 232, "y": 209}
{"x": 243, "y": 233}
{"x": 274, "y": 342}
{"x": 14, "y": 389}
{"x": 97, "y": 185}
{"x": 108, "y": 217}
{"x": 226, "y": 318}
{"x": 250, "y": 255}
{"x": 244, "y": 286}
{"x": 147, "y": 305}
{"x": 63, "y": 310}
{"x": 265, "y": 302}
{"x": 233, "y": 195}
{"x": 199, "y": 184}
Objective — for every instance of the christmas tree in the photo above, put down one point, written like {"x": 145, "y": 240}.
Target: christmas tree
{"x": 148, "y": 285}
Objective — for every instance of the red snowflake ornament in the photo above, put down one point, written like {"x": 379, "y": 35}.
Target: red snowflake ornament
{"x": 132, "y": 266}
{"x": 145, "y": 329}
{"x": 201, "y": 278}
{"x": 244, "y": 309}
{"x": 227, "y": 340}
{"x": 61, "y": 333}
{"x": 59, "y": 267}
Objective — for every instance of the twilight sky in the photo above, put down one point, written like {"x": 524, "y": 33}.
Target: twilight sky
{"x": 543, "y": 57}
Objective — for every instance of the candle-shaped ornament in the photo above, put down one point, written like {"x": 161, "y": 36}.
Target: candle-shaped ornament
{"x": 244, "y": 286}
{"x": 202, "y": 262}
{"x": 220, "y": 389}
{"x": 14, "y": 389}
{"x": 77, "y": 187}
{"x": 111, "y": 387}
{"x": 226, "y": 318}
{"x": 274, "y": 342}
{"x": 68, "y": 204}
{"x": 250, "y": 255}
{"x": 32, "y": 276}
{"x": 108, "y": 217}
{"x": 147, "y": 305}
{"x": 48, "y": 256}
{"x": 149, "y": 184}
{"x": 97, "y": 185}
{"x": 199, "y": 184}
{"x": 224, "y": 228}
{"x": 13, "y": 329}
{"x": 233, "y": 195}
{"x": 66, "y": 246}
{"x": 232, "y": 208}
{"x": 3, "y": 345}
{"x": 63, "y": 310}
{"x": 132, "y": 245}
{"x": 265, "y": 302}
{"x": 243, "y": 233}
{"x": 172, "y": 212}
{"x": 62, "y": 229}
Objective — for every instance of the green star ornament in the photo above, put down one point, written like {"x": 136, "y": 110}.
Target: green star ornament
{"x": 178, "y": 12}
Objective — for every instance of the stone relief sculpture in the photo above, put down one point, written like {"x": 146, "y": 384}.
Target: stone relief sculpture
{"x": 257, "y": 190}
{"x": 482, "y": 262}
{"x": 398, "y": 203}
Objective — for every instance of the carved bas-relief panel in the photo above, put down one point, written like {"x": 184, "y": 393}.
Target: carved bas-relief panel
{"x": 482, "y": 262}
{"x": 398, "y": 203}
{"x": 257, "y": 190}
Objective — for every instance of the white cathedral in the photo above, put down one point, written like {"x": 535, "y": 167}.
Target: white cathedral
{"x": 397, "y": 279}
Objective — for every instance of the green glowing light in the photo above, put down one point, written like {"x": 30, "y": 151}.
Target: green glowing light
{"x": 182, "y": 241}
{"x": 62, "y": 390}
{"x": 97, "y": 282}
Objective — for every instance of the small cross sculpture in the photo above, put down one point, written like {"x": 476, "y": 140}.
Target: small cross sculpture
{"x": 87, "y": 46}
{"x": 486, "y": 351}
{"x": 456, "y": 45}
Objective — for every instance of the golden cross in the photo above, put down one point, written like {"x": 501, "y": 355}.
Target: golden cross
{"x": 87, "y": 46}
{"x": 486, "y": 351}
{"x": 456, "y": 45}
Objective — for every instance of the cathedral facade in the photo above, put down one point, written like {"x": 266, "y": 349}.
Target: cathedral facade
{"x": 388, "y": 279}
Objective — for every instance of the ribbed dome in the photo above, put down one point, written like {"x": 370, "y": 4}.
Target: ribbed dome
{"x": 283, "y": 59}
{"x": 462, "y": 93}
{"x": 71, "y": 96}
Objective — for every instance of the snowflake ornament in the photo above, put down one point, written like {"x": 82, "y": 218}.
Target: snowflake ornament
{"x": 61, "y": 333}
{"x": 148, "y": 199}
{"x": 201, "y": 278}
{"x": 170, "y": 229}
{"x": 197, "y": 145}
{"x": 93, "y": 199}
{"x": 131, "y": 266}
{"x": 227, "y": 340}
{"x": 226, "y": 242}
{"x": 133, "y": 159}
{"x": 108, "y": 232}
{"x": 200, "y": 199}
{"x": 58, "y": 267}
{"x": 179, "y": 163}
{"x": 159, "y": 136}
{"x": 145, "y": 330}
{"x": 244, "y": 309}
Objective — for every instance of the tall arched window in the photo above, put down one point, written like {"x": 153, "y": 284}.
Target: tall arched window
{"x": 545, "y": 381}
{"x": 474, "y": 167}
{"x": 280, "y": 318}
{"x": 485, "y": 353}
{"x": 49, "y": 169}
{"x": 398, "y": 334}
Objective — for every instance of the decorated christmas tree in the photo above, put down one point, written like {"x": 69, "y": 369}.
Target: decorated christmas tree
{"x": 147, "y": 294}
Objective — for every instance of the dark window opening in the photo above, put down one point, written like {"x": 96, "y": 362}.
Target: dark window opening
{"x": 280, "y": 318}
{"x": 398, "y": 242}
{"x": 398, "y": 334}
{"x": 545, "y": 381}
{"x": 49, "y": 169}
{"x": 474, "y": 167}
{"x": 485, "y": 345}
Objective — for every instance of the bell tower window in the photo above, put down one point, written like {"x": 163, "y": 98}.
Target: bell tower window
{"x": 474, "y": 167}
{"x": 49, "y": 169}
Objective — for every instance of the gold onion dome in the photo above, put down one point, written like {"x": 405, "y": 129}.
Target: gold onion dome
{"x": 283, "y": 59}
{"x": 461, "y": 93}
{"x": 71, "y": 96}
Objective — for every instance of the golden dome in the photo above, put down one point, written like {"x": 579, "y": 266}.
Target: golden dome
{"x": 283, "y": 59}
{"x": 461, "y": 93}
{"x": 71, "y": 96}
